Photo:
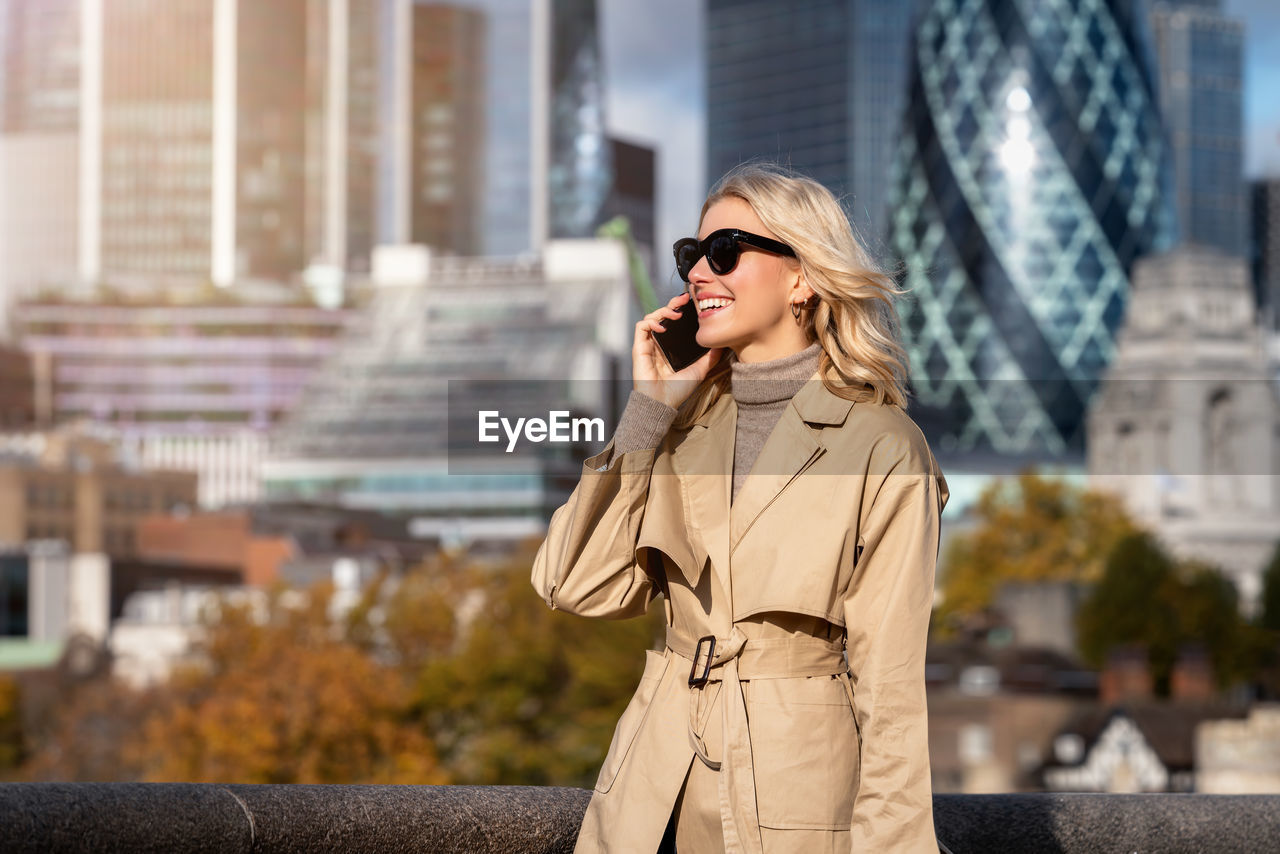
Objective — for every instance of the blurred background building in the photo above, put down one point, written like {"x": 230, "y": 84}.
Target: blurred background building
{"x": 1033, "y": 172}
{"x": 817, "y": 86}
{"x": 39, "y": 145}
{"x": 1184, "y": 426}
{"x": 192, "y": 386}
{"x": 447, "y": 130}
{"x": 1199, "y": 53}
{"x": 633, "y": 196}
{"x": 194, "y": 149}
{"x": 1265, "y": 249}
{"x": 373, "y": 429}
{"x": 343, "y": 124}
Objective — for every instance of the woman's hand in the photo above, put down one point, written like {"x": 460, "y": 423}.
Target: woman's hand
{"x": 649, "y": 369}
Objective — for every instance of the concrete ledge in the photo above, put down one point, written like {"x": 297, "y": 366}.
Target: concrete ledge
{"x": 1080, "y": 823}
{"x": 177, "y": 818}
{"x": 181, "y": 817}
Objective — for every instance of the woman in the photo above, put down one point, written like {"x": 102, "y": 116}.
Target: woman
{"x": 780, "y": 500}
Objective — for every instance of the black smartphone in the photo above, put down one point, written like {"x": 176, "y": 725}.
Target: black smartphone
{"x": 677, "y": 341}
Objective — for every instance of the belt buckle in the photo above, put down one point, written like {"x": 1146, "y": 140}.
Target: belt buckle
{"x": 698, "y": 681}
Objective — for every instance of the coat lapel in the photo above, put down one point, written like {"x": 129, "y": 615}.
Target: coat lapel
{"x": 790, "y": 449}
{"x": 705, "y": 462}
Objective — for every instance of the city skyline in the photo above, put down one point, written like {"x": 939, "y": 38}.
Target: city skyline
{"x": 655, "y": 87}
{"x": 655, "y": 77}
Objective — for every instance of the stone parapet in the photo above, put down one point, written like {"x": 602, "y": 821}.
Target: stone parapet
{"x": 183, "y": 818}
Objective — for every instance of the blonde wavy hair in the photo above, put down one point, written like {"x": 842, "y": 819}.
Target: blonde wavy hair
{"x": 855, "y": 322}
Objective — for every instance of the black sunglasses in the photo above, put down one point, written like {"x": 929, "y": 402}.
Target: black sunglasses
{"x": 721, "y": 250}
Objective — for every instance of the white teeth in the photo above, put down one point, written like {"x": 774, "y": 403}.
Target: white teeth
{"x": 716, "y": 302}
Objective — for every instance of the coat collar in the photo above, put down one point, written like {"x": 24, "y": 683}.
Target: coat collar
{"x": 813, "y": 402}
{"x": 705, "y": 458}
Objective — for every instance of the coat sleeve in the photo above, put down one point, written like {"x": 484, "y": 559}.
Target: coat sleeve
{"x": 887, "y": 618}
{"x": 588, "y": 564}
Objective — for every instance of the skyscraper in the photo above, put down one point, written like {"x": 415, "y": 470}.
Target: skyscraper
{"x": 509, "y": 151}
{"x": 342, "y": 132}
{"x": 1033, "y": 172}
{"x": 1199, "y": 53}
{"x": 39, "y": 121}
{"x": 633, "y": 195}
{"x": 1265, "y": 248}
{"x": 818, "y": 85}
{"x": 447, "y": 136}
{"x": 187, "y": 156}
{"x": 433, "y": 112}
{"x": 546, "y": 158}
{"x": 192, "y": 150}
{"x": 580, "y": 168}
{"x": 39, "y": 46}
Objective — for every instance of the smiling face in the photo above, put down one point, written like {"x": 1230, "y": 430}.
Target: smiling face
{"x": 756, "y": 321}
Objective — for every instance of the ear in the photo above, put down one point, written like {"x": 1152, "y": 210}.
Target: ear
{"x": 800, "y": 290}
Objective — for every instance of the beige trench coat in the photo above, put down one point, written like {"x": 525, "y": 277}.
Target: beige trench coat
{"x": 837, "y": 520}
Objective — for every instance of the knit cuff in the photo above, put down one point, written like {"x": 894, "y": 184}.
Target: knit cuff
{"x": 643, "y": 423}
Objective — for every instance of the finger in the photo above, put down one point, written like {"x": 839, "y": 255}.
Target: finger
{"x": 643, "y": 342}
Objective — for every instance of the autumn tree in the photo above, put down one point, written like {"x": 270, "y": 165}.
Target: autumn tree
{"x": 1269, "y": 606}
{"x": 12, "y": 741}
{"x": 455, "y": 671}
{"x": 1145, "y": 597}
{"x": 88, "y": 732}
{"x": 530, "y": 695}
{"x": 1028, "y": 528}
{"x": 287, "y": 699}
{"x": 1268, "y": 630}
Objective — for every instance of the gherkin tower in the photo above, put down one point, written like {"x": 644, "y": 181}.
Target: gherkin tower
{"x": 1032, "y": 172}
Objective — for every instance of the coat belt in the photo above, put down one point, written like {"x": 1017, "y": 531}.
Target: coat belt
{"x": 738, "y": 657}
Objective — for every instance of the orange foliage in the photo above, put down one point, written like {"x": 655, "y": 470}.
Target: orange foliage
{"x": 287, "y": 701}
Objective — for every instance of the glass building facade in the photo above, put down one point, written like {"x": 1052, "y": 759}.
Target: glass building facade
{"x": 271, "y": 52}
{"x": 40, "y": 78}
{"x": 581, "y": 167}
{"x": 360, "y": 219}
{"x": 157, "y": 139}
{"x": 1033, "y": 171}
{"x": 508, "y": 104}
{"x": 447, "y": 129}
{"x": 39, "y": 151}
{"x": 817, "y": 85}
{"x": 577, "y": 174}
{"x": 1264, "y": 250}
{"x": 342, "y": 151}
{"x": 158, "y": 150}
{"x": 1200, "y": 55}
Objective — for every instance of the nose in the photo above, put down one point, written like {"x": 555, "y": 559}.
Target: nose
{"x": 701, "y": 272}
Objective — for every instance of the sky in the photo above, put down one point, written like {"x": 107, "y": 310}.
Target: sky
{"x": 655, "y": 79}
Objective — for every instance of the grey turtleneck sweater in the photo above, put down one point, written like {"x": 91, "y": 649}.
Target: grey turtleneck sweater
{"x": 761, "y": 390}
